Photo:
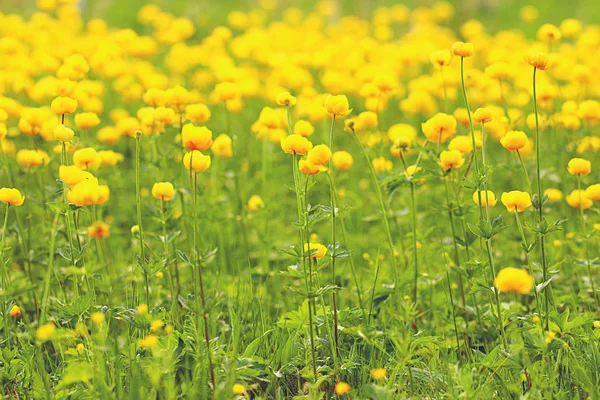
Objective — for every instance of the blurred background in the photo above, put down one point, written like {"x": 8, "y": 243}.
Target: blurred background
{"x": 496, "y": 14}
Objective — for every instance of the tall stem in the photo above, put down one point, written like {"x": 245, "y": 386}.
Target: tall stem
{"x": 383, "y": 211}
{"x": 547, "y": 288}
{"x": 496, "y": 293}
{"x": 4, "y": 278}
{"x": 138, "y": 201}
{"x": 585, "y": 242}
{"x": 333, "y": 241}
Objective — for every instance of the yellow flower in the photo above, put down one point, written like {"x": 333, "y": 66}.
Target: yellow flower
{"x": 255, "y": 203}
{"x": 317, "y": 250}
{"x": 142, "y": 309}
{"x": 97, "y": 318}
{"x": 593, "y": 192}
{"x": 553, "y": 195}
{"x": 222, "y": 146}
{"x": 579, "y": 166}
{"x": 368, "y": 118}
{"x": 15, "y": 311}
{"x": 482, "y": 115}
{"x": 381, "y": 164}
{"x": 149, "y": 341}
{"x": 303, "y": 128}
{"x": 550, "y": 337}
{"x": 155, "y": 97}
{"x": 516, "y": 201}
{"x": 514, "y": 140}
{"x": 337, "y": 105}
{"x": 411, "y": 170}
{"x": 342, "y": 160}
{"x": 163, "y": 191}
{"x": 238, "y": 389}
{"x": 378, "y": 373}
{"x": 486, "y": 197}
{"x": 87, "y": 120}
{"x": 461, "y": 49}
{"x": 514, "y": 280}
{"x": 63, "y": 105}
{"x": 570, "y": 27}
{"x": 46, "y": 331}
{"x": 450, "y": 159}
{"x": 286, "y": 99}
{"x": 198, "y": 113}
{"x": 99, "y": 230}
{"x": 109, "y": 158}
{"x": 11, "y": 196}
{"x": 197, "y": 161}
{"x": 538, "y": 60}
{"x": 319, "y": 155}
{"x": 342, "y": 388}
{"x": 86, "y": 158}
{"x": 63, "y": 133}
{"x": 578, "y": 199}
{"x": 548, "y": 33}
{"x": 296, "y": 144}
{"x": 80, "y": 347}
{"x": 308, "y": 168}
{"x": 464, "y": 144}
{"x": 32, "y": 158}
{"x": 441, "y": 58}
{"x": 439, "y": 128}
{"x": 226, "y": 91}
{"x": 196, "y": 137}
{"x": 156, "y": 325}
{"x": 597, "y": 324}
{"x": 72, "y": 175}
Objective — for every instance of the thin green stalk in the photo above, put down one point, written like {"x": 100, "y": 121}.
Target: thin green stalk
{"x": 585, "y": 242}
{"x": 383, "y": 211}
{"x": 547, "y": 288}
{"x": 524, "y": 240}
{"x": 333, "y": 241}
{"x": 4, "y": 278}
{"x": 456, "y": 255}
{"x": 138, "y": 201}
{"x": 496, "y": 293}
{"x": 524, "y": 171}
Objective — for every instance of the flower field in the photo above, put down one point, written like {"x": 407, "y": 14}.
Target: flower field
{"x": 323, "y": 200}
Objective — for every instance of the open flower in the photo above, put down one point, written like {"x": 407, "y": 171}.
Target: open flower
{"x": 514, "y": 280}
{"x": 337, "y": 105}
{"x": 11, "y": 196}
{"x": 516, "y": 201}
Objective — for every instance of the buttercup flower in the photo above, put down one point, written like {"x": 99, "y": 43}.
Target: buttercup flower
{"x": 317, "y": 250}
{"x": 196, "y": 137}
{"x": 286, "y": 99}
{"x": 514, "y": 280}
{"x": 593, "y": 192}
{"x": 439, "y": 128}
{"x": 538, "y": 60}
{"x": 578, "y": 199}
{"x": 342, "y": 388}
{"x": 222, "y": 146}
{"x": 579, "y": 166}
{"x": 303, "y": 128}
{"x": 342, "y": 160}
{"x": 450, "y": 159}
{"x": 255, "y": 203}
{"x": 63, "y": 105}
{"x": 163, "y": 191}
{"x": 63, "y": 133}
{"x": 486, "y": 197}
{"x": 337, "y": 105}
{"x": 319, "y": 155}
{"x": 296, "y": 144}
{"x": 99, "y": 230}
{"x": 516, "y": 201}
{"x": 461, "y": 49}
{"x": 514, "y": 140}
{"x": 197, "y": 161}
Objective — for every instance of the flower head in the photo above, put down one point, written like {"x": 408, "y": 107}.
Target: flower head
{"x": 516, "y": 201}
{"x": 514, "y": 280}
{"x": 487, "y": 197}
{"x": 337, "y": 105}
{"x": 538, "y": 59}
{"x": 286, "y": 99}
{"x": 514, "y": 140}
{"x": 439, "y": 128}
{"x": 579, "y": 166}
{"x": 163, "y": 191}
{"x": 461, "y": 49}
{"x": 578, "y": 199}
{"x": 196, "y": 137}
{"x": 11, "y": 196}
{"x": 451, "y": 159}
{"x": 319, "y": 155}
{"x": 296, "y": 144}
{"x": 317, "y": 250}
{"x": 196, "y": 161}
{"x": 63, "y": 105}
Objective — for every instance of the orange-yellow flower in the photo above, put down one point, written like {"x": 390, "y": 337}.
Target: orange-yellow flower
{"x": 538, "y": 60}
{"x": 163, "y": 191}
{"x": 337, "y": 105}
{"x": 197, "y": 161}
{"x": 461, "y": 49}
{"x": 296, "y": 144}
{"x": 11, "y": 196}
{"x": 99, "y": 230}
{"x": 319, "y": 155}
{"x": 579, "y": 166}
{"x": 439, "y": 128}
{"x": 450, "y": 159}
{"x": 486, "y": 197}
{"x": 516, "y": 201}
{"x": 514, "y": 140}
{"x": 578, "y": 199}
{"x": 286, "y": 99}
{"x": 196, "y": 137}
{"x": 342, "y": 160}
{"x": 514, "y": 280}
{"x": 63, "y": 105}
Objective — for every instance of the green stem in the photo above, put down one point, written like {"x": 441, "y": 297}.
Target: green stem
{"x": 383, "y": 211}
{"x": 497, "y": 294}
{"x": 4, "y": 277}
{"x": 333, "y": 241}
{"x": 585, "y": 242}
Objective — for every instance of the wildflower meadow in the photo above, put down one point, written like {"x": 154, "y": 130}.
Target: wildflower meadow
{"x": 324, "y": 199}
